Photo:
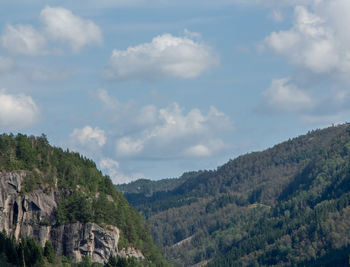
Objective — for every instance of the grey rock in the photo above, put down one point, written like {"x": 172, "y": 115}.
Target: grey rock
{"x": 33, "y": 214}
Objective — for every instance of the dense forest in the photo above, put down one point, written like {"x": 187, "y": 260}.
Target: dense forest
{"x": 286, "y": 206}
{"x": 84, "y": 196}
{"x": 28, "y": 252}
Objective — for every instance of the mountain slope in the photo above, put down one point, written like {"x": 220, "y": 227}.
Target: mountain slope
{"x": 284, "y": 206}
{"x": 59, "y": 196}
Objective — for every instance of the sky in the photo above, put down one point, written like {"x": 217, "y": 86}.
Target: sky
{"x": 155, "y": 88}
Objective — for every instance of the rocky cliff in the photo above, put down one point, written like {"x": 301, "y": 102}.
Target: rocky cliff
{"x": 33, "y": 214}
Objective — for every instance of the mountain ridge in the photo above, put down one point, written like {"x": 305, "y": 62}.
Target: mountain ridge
{"x": 224, "y": 209}
{"x": 60, "y": 197}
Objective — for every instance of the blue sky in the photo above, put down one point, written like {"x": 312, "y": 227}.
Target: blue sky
{"x": 156, "y": 88}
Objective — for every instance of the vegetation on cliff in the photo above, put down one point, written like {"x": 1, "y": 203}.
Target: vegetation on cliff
{"x": 85, "y": 195}
{"x": 286, "y": 206}
{"x": 28, "y": 252}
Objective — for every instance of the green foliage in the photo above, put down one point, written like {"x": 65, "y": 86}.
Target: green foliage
{"x": 28, "y": 252}
{"x": 84, "y": 194}
{"x": 33, "y": 252}
{"x": 73, "y": 208}
{"x": 148, "y": 187}
{"x": 286, "y": 206}
{"x": 3, "y": 261}
{"x": 49, "y": 253}
{"x": 123, "y": 262}
{"x": 25, "y": 152}
{"x": 86, "y": 262}
{"x": 8, "y": 250}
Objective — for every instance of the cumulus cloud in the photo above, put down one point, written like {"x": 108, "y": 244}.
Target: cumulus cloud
{"x": 23, "y": 39}
{"x": 61, "y": 24}
{"x": 127, "y": 146}
{"x": 318, "y": 45}
{"x": 176, "y": 133}
{"x": 17, "y": 111}
{"x": 129, "y": 116}
{"x": 112, "y": 168}
{"x": 58, "y": 25}
{"x": 325, "y": 109}
{"x": 285, "y": 96}
{"x": 165, "y": 56}
{"x": 168, "y": 132}
{"x": 89, "y": 136}
{"x": 318, "y": 40}
{"x": 201, "y": 150}
{"x": 198, "y": 151}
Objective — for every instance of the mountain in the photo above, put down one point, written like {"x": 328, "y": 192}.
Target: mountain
{"x": 286, "y": 206}
{"x": 149, "y": 187}
{"x": 57, "y": 208}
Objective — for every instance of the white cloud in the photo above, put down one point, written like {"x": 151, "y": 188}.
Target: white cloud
{"x": 62, "y": 25}
{"x": 17, "y": 111}
{"x": 318, "y": 44}
{"x": 165, "y": 56}
{"x": 109, "y": 103}
{"x": 151, "y": 132}
{"x": 112, "y": 168}
{"x": 23, "y": 39}
{"x": 127, "y": 146}
{"x": 175, "y": 133}
{"x": 129, "y": 116}
{"x": 198, "y": 151}
{"x": 285, "y": 96}
{"x": 89, "y": 136}
{"x": 319, "y": 39}
{"x": 57, "y": 24}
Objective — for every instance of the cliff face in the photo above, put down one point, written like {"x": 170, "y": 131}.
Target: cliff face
{"x": 33, "y": 214}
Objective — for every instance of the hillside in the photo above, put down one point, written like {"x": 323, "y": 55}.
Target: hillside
{"x": 285, "y": 206}
{"x": 50, "y": 197}
{"x": 149, "y": 187}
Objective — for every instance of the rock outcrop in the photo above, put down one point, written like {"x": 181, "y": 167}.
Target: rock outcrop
{"x": 130, "y": 252}
{"x": 85, "y": 239}
{"x": 33, "y": 214}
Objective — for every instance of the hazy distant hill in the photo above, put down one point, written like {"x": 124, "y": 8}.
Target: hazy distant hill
{"x": 285, "y": 206}
{"x": 149, "y": 187}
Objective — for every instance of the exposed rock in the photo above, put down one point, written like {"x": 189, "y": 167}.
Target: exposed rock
{"x": 130, "y": 252}
{"x": 89, "y": 239}
{"x": 33, "y": 214}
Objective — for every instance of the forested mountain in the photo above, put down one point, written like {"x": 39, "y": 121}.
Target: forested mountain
{"x": 57, "y": 209}
{"x": 149, "y": 187}
{"x": 286, "y": 206}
